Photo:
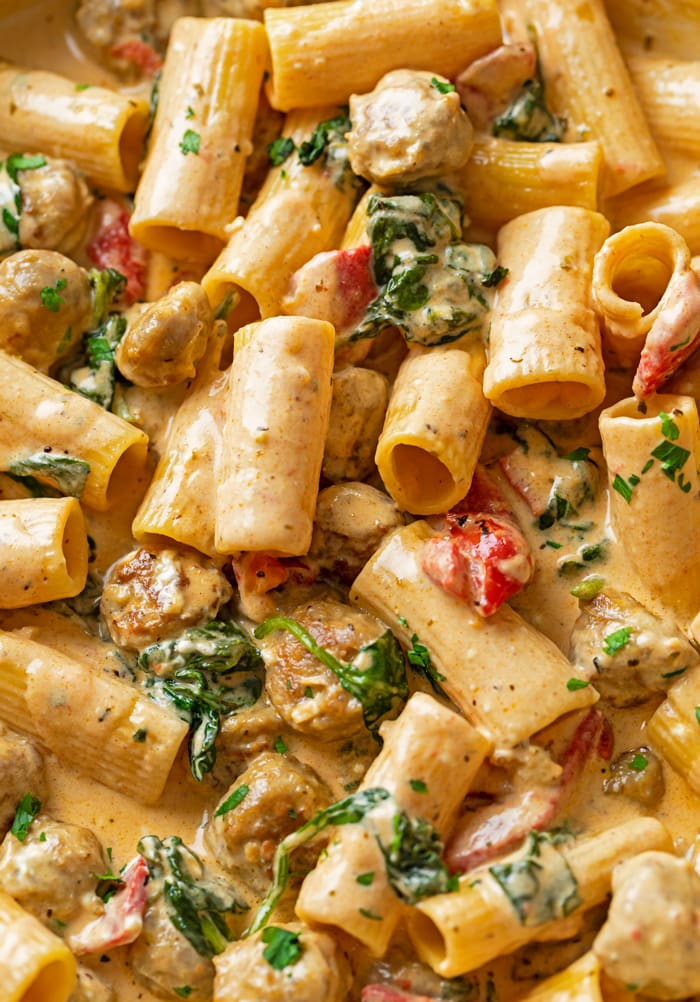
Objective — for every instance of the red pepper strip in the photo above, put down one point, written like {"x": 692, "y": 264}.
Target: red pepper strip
{"x": 122, "y": 920}
{"x": 140, "y": 54}
{"x": 388, "y": 993}
{"x": 674, "y": 336}
{"x": 114, "y": 247}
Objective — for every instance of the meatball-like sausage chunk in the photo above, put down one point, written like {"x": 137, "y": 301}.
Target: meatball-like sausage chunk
{"x": 351, "y": 521}
{"x": 150, "y": 594}
{"x": 358, "y": 406}
{"x": 650, "y": 938}
{"x": 306, "y": 694}
{"x": 282, "y": 794}
{"x": 55, "y": 207}
{"x": 410, "y": 126}
{"x": 164, "y": 343}
{"x": 51, "y": 873}
{"x": 321, "y": 971}
{"x": 638, "y": 774}
{"x": 631, "y": 653}
{"x": 21, "y": 772}
{"x": 38, "y": 326}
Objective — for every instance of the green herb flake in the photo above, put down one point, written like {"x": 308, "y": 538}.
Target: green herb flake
{"x": 140, "y": 735}
{"x": 21, "y": 161}
{"x": 669, "y": 428}
{"x": 418, "y": 786}
{"x": 82, "y": 86}
{"x": 366, "y": 913}
{"x": 283, "y": 947}
{"x": 672, "y": 457}
{"x": 615, "y": 641}
{"x": 11, "y": 222}
{"x": 50, "y": 298}
{"x": 183, "y": 992}
{"x": 624, "y": 489}
{"x": 494, "y": 277}
{"x": 233, "y": 801}
{"x": 27, "y": 809}
{"x": 42, "y": 837}
{"x": 308, "y": 692}
{"x": 190, "y": 111}
{"x": 280, "y": 746}
{"x": 576, "y": 683}
{"x": 442, "y": 86}
{"x": 365, "y": 879}
{"x": 639, "y": 762}
{"x": 279, "y": 149}
{"x": 588, "y": 588}
{"x": 190, "y": 142}
{"x": 578, "y": 454}
{"x": 552, "y": 544}
{"x": 697, "y": 714}
{"x": 676, "y": 673}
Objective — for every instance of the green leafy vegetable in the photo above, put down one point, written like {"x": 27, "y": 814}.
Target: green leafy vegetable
{"x": 27, "y": 809}
{"x": 540, "y": 884}
{"x": 66, "y": 473}
{"x": 365, "y": 879}
{"x": 418, "y": 656}
{"x": 226, "y": 305}
{"x": 196, "y": 904}
{"x": 106, "y": 285}
{"x": 418, "y": 786}
{"x": 238, "y": 795}
{"x": 280, "y": 746}
{"x": 283, "y": 947}
{"x": 578, "y": 455}
{"x": 527, "y": 117}
{"x": 11, "y": 222}
{"x": 50, "y": 297}
{"x": 639, "y": 762}
{"x": 494, "y": 277}
{"x": 22, "y": 161}
{"x": 108, "y": 883}
{"x": 349, "y": 810}
{"x": 576, "y": 683}
{"x": 376, "y": 676}
{"x": 190, "y": 142}
{"x": 413, "y": 860}
{"x": 615, "y": 642}
{"x": 323, "y": 135}
{"x": 280, "y": 149}
{"x": 623, "y": 488}
{"x": 96, "y": 379}
{"x": 194, "y": 673}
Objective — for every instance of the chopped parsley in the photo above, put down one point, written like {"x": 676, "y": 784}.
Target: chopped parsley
{"x": 578, "y": 454}
{"x": 639, "y": 762}
{"x": 140, "y": 735}
{"x": 27, "y": 809}
{"x": 82, "y": 86}
{"x": 366, "y": 913}
{"x": 615, "y": 641}
{"x": 50, "y": 297}
{"x": 418, "y": 656}
{"x": 418, "y": 786}
{"x": 190, "y": 142}
{"x": 576, "y": 683}
{"x": 239, "y": 794}
{"x": 21, "y": 161}
{"x": 697, "y": 714}
{"x": 280, "y": 746}
{"x": 442, "y": 86}
{"x": 190, "y": 111}
{"x": 184, "y": 991}
{"x": 623, "y": 488}
{"x": 588, "y": 588}
{"x": 365, "y": 879}
{"x": 280, "y": 149}
{"x": 283, "y": 947}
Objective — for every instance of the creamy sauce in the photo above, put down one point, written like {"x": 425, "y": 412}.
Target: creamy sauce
{"x": 40, "y": 35}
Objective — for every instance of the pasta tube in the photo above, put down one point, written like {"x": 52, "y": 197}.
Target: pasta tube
{"x": 315, "y": 48}
{"x": 503, "y": 179}
{"x": 274, "y": 435}
{"x": 53, "y": 434}
{"x": 180, "y": 500}
{"x": 673, "y": 728}
{"x": 88, "y": 718}
{"x": 434, "y": 429}
{"x": 579, "y": 982}
{"x": 419, "y": 747}
{"x": 99, "y": 130}
{"x": 299, "y": 211}
{"x": 43, "y": 551}
{"x": 667, "y": 89}
{"x": 652, "y": 456}
{"x": 588, "y": 84}
{"x": 486, "y": 664}
{"x": 544, "y": 349}
{"x": 500, "y": 907}
{"x": 639, "y": 275}
{"x": 35, "y": 965}
{"x": 201, "y": 138}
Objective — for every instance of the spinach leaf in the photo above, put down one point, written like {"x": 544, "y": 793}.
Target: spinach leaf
{"x": 528, "y": 118}
{"x": 376, "y": 676}
{"x": 413, "y": 859}
{"x": 66, "y": 473}
{"x": 540, "y": 884}
{"x": 425, "y": 220}
{"x": 197, "y": 674}
{"x": 349, "y": 810}
{"x": 96, "y": 379}
{"x": 106, "y": 285}
{"x": 196, "y": 904}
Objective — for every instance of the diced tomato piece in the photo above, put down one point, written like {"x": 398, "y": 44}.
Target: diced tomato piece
{"x": 355, "y": 283}
{"x": 122, "y": 920}
{"x": 484, "y": 559}
{"x": 142, "y": 55}
{"x": 114, "y": 247}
